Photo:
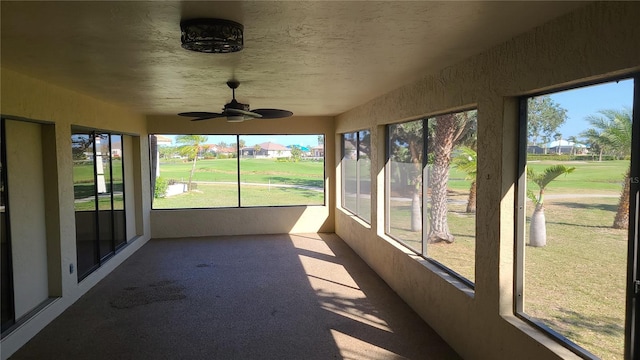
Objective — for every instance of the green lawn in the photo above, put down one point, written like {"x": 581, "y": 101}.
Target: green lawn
{"x": 307, "y": 173}
{"x": 576, "y": 284}
{"x": 277, "y": 183}
{"x": 226, "y": 195}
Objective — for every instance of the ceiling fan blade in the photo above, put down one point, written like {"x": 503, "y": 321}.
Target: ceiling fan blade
{"x": 201, "y": 115}
{"x": 205, "y": 118}
{"x": 273, "y": 113}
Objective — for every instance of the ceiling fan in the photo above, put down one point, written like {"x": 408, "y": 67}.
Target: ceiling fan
{"x": 237, "y": 112}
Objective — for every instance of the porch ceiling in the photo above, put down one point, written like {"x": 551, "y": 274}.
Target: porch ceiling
{"x": 313, "y": 58}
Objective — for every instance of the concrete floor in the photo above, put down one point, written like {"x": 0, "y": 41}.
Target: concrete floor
{"x": 242, "y": 297}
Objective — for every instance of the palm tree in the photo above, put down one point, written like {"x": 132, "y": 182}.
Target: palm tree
{"x": 538, "y": 226}
{"x": 256, "y": 150}
{"x": 190, "y": 149}
{"x": 448, "y": 131}
{"x": 592, "y": 138}
{"x": 467, "y": 161}
{"x": 614, "y": 134}
{"x": 573, "y": 141}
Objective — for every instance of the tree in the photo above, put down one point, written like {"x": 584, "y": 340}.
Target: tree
{"x": 573, "y": 141}
{"x": 166, "y": 152}
{"x": 558, "y": 137}
{"x": 544, "y": 117}
{"x": 296, "y": 153}
{"x": 407, "y": 148}
{"x": 256, "y": 150}
{"x": 190, "y": 148}
{"x": 592, "y": 137}
{"x": 448, "y": 130}
{"x": 545, "y": 142}
{"x": 80, "y": 144}
{"x": 613, "y": 129}
{"x": 467, "y": 161}
{"x": 538, "y": 226}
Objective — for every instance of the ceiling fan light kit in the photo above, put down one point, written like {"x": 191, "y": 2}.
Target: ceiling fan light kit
{"x": 212, "y": 35}
{"x": 222, "y": 36}
{"x": 235, "y": 111}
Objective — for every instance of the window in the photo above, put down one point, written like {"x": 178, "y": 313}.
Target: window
{"x": 575, "y": 220}
{"x": 430, "y": 189}
{"x": 98, "y": 183}
{"x": 356, "y": 173}
{"x": 217, "y": 171}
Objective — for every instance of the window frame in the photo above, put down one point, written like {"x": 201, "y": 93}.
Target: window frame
{"x": 632, "y": 317}
{"x": 356, "y": 211}
{"x": 238, "y": 172}
{"x": 425, "y": 222}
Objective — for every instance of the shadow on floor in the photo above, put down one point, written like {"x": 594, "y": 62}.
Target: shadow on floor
{"x": 243, "y": 297}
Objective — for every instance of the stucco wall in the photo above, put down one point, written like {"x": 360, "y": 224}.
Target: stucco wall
{"x": 58, "y": 109}
{"x": 259, "y": 220}
{"x": 26, "y": 200}
{"x": 596, "y": 42}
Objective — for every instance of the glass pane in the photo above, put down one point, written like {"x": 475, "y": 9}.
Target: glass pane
{"x": 196, "y": 171}
{"x": 277, "y": 170}
{"x": 84, "y": 189}
{"x": 451, "y": 191}
{"x": 364, "y": 175}
{"x": 579, "y": 144}
{"x": 349, "y": 172}
{"x": 404, "y": 191}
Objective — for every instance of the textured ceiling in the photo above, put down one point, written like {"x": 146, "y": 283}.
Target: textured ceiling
{"x": 313, "y": 58}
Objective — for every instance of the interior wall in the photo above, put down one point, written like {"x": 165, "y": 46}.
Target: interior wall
{"x": 23, "y": 97}
{"x": 258, "y": 220}
{"x": 26, "y": 201}
{"x": 130, "y": 185}
{"x": 596, "y": 42}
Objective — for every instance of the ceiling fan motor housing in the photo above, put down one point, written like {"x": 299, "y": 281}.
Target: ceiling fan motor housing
{"x": 236, "y": 105}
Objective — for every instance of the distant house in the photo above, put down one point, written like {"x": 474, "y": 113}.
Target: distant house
{"x": 317, "y": 151}
{"x": 163, "y": 140}
{"x": 558, "y": 147}
{"x": 266, "y": 150}
{"x": 217, "y": 149}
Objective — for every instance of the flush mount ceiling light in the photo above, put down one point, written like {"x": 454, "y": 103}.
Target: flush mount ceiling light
{"x": 212, "y": 35}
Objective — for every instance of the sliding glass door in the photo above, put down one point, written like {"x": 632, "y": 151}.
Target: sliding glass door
{"x": 99, "y": 197}
{"x": 6, "y": 269}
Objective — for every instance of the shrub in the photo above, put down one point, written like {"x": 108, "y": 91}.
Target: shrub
{"x": 161, "y": 188}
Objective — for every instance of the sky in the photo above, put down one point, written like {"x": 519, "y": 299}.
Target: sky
{"x": 586, "y": 101}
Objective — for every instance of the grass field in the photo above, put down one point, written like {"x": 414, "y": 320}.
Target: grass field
{"x": 576, "y": 284}
{"x": 304, "y": 173}
{"x": 264, "y": 182}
